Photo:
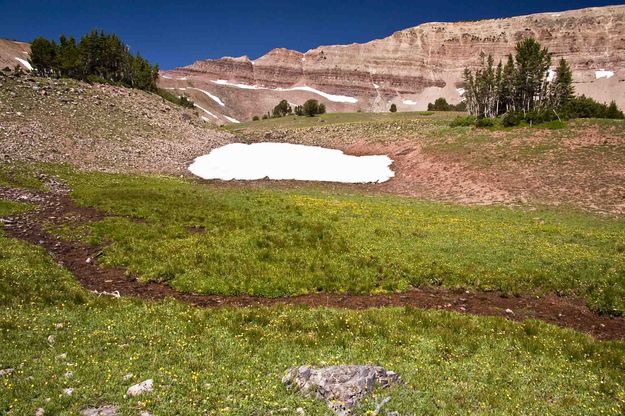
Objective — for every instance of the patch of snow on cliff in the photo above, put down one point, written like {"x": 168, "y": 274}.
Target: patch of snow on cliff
{"x": 330, "y": 97}
{"x": 285, "y": 161}
{"x": 24, "y": 62}
{"x": 602, "y": 73}
{"x": 182, "y": 79}
{"x": 409, "y": 102}
{"x": 460, "y": 91}
{"x": 551, "y": 75}
{"x": 213, "y": 97}
{"x": 232, "y": 84}
{"x": 232, "y": 120}
{"x": 166, "y": 77}
{"x": 376, "y": 86}
{"x": 206, "y": 111}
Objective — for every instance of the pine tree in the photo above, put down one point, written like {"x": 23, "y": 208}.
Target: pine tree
{"x": 282, "y": 109}
{"x": 532, "y": 64}
{"x": 43, "y": 56}
{"x": 67, "y": 58}
{"x": 507, "y": 91}
{"x": 562, "y": 87}
{"x": 393, "y": 108}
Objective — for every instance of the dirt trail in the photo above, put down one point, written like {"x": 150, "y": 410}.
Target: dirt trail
{"x": 56, "y": 208}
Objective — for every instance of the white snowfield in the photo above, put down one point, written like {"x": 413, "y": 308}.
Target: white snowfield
{"x": 213, "y": 97}
{"x": 231, "y": 119}
{"x": 409, "y": 102}
{"x": 330, "y": 97}
{"x": 602, "y": 73}
{"x": 24, "y": 62}
{"x": 206, "y": 111}
{"x": 285, "y": 161}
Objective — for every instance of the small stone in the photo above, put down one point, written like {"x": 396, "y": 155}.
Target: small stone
{"x": 143, "y": 387}
{"x": 6, "y": 372}
{"x": 58, "y": 326}
{"x": 51, "y": 339}
{"x": 299, "y": 411}
{"x": 145, "y": 414}
{"x": 40, "y": 412}
{"x": 68, "y": 391}
{"x": 127, "y": 377}
{"x": 88, "y": 261}
{"x": 69, "y": 374}
{"x": 509, "y": 311}
{"x": 107, "y": 410}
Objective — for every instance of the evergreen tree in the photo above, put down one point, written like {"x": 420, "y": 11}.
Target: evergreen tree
{"x": 532, "y": 64}
{"x": 322, "y": 108}
{"x": 43, "y": 56}
{"x": 282, "y": 109}
{"x": 311, "y": 108}
{"x": 67, "y": 58}
{"x": 506, "y": 91}
{"x": 393, "y": 108}
{"x": 562, "y": 89}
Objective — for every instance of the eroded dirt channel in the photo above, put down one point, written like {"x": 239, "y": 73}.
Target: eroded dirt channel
{"x": 57, "y": 209}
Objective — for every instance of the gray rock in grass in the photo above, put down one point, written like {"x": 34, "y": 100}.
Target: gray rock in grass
{"x": 107, "y": 410}
{"x": 340, "y": 386}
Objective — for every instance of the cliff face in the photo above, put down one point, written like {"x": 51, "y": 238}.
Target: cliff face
{"x": 414, "y": 66}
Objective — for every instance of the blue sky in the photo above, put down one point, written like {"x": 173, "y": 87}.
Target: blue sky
{"x": 174, "y": 33}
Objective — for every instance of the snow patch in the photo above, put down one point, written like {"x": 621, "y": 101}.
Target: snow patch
{"x": 213, "y": 97}
{"x": 166, "y": 77}
{"x": 285, "y": 161}
{"x": 182, "y": 79}
{"x": 409, "y": 102}
{"x": 376, "y": 86}
{"x": 551, "y": 75}
{"x": 329, "y": 97}
{"x": 206, "y": 111}
{"x": 232, "y": 120}
{"x": 460, "y": 91}
{"x": 602, "y": 73}
{"x": 243, "y": 86}
{"x": 24, "y": 62}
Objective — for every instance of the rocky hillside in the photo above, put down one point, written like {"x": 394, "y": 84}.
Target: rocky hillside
{"x": 409, "y": 68}
{"x": 99, "y": 127}
{"x": 14, "y": 54}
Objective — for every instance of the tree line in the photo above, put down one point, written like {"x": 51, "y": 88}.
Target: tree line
{"x": 97, "y": 57}
{"x": 310, "y": 108}
{"x": 525, "y": 88}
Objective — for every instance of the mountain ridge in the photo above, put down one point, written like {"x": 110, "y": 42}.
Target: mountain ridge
{"x": 413, "y": 66}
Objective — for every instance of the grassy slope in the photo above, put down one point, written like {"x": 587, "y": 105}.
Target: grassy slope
{"x": 227, "y": 361}
{"x": 286, "y": 242}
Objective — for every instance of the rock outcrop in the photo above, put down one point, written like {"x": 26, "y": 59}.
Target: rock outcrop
{"x": 340, "y": 386}
{"x": 409, "y": 68}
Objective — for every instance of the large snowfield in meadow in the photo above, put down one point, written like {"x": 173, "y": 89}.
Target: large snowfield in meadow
{"x": 281, "y": 161}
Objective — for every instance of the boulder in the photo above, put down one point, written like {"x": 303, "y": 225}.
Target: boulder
{"x": 340, "y": 386}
